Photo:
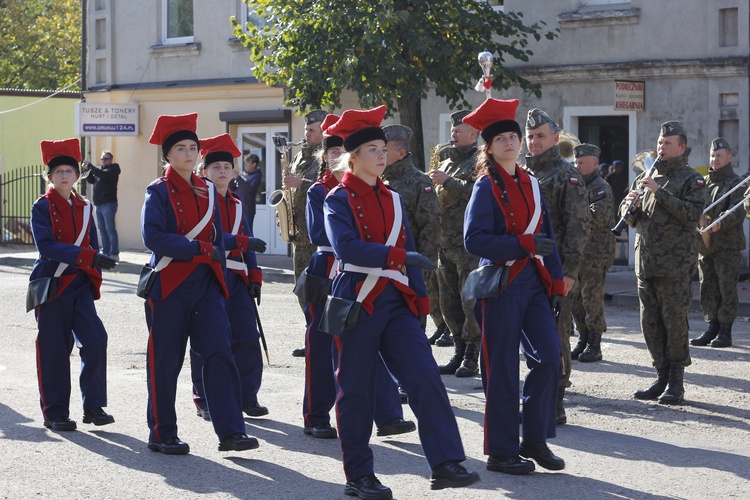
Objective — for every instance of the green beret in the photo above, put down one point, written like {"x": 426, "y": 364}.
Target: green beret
{"x": 397, "y": 133}
{"x": 536, "y": 118}
{"x": 314, "y": 116}
{"x": 458, "y": 116}
{"x": 720, "y": 143}
{"x": 672, "y": 128}
{"x": 587, "y": 150}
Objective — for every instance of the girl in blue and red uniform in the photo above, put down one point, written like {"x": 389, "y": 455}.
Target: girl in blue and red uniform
{"x": 187, "y": 299}
{"x": 362, "y": 223}
{"x": 243, "y": 278}
{"x": 320, "y": 386}
{"x": 65, "y": 236}
{"x": 507, "y": 224}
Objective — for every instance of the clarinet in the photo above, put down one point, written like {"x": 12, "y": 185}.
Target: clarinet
{"x": 617, "y": 230}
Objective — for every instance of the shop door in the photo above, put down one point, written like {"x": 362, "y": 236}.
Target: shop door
{"x": 256, "y": 139}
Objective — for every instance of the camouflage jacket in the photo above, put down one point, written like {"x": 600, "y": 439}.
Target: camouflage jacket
{"x": 666, "y": 242}
{"x": 730, "y": 236}
{"x": 420, "y": 204}
{"x": 454, "y": 194}
{"x": 565, "y": 195}
{"x": 600, "y": 246}
{"x": 305, "y": 165}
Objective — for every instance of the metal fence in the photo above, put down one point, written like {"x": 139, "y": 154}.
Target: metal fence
{"x": 19, "y": 189}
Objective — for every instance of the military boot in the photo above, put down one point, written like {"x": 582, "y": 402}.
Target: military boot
{"x": 438, "y": 333}
{"x": 446, "y": 339}
{"x": 724, "y": 337}
{"x": 470, "y": 365}
{"x": 708, "y": 335}
{"x": 459, "y": 347}
{"x": 593, "y": 350}
{"x": 657, "y": 387}
{"x": 675, "y": 392}
{"x": 580, "y": 346}
{"x": 561, "y": 417}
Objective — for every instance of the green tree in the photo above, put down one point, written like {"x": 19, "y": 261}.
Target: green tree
{"x": 40, "y": 43}
{"x": 386, "y": 51}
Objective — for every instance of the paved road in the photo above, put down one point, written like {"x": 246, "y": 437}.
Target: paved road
{"x": 615, "y": 447}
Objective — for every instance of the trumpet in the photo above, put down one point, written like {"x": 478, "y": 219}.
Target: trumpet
{"x": 742, "y": 183}
{"x": 650, "y": 164}
{"x": 281, "y": 199}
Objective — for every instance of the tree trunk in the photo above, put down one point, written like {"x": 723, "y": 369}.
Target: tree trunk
{"x": 410, "y": 111}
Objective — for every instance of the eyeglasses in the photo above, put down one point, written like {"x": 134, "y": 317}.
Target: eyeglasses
{"x": 63, "y": 173}
{"x": 106, "y": 158}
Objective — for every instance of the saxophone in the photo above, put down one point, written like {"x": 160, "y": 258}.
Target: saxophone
{"x": 282, "y": 199}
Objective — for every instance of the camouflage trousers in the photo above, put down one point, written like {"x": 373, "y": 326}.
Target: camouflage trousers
{"x": 564, "y": 328}
{"x": 454, "y": 266}
{"x": 433, "y": 292}
{"x": 664, "y": 307}
{"x": 719, "y": 273}
{"x": 301, "y": 255}
{"x": 587, "y": 298}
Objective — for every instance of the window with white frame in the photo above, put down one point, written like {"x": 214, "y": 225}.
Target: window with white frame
{"x": 249, "y": 16}
{"x": 177, "y": 16}
{"x": 497, "y": 4}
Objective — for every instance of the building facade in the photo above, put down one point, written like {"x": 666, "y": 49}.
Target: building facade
{"x": 616, "y": 71}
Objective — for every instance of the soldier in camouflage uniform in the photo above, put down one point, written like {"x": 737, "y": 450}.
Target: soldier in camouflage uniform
{"x": 666, "y": 251}
{"x": 587, "y": 296}
{"x": 420, "y": 204}
{"x": 454, "y": 181}
{"x": 719, "y": 261}
{"x": 302, "y": 174}
{"x": 565, "y": 195}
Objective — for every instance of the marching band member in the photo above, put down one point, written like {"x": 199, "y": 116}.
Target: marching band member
{"x": 377, "y": 305}
{"x": 243, "y": 279}
{"x": 320, "y": 387}
{"x": 63, "y": 286}
{"x": 507, "y": 225}
{"x": 181, "y": 225}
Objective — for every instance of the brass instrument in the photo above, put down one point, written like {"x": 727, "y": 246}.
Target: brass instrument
{"x": 435, "y": 158}
{"x": 282, "y": 199}
{"x": 566, "y": 143}
{"x": 707, "y": 223}
{"x": 650, "y": 163}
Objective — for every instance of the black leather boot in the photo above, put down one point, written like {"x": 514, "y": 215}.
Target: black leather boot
{"x": 438, "y": 333}
{"x": 657, "y": 387}
{"x": 708, "y": 335}
{"x": 675, "y": 392}
{"x": 445, "y": 340}
{"x": 724, "y": 337}
{"x": 580, "y": 346}
{"x": 458, "y": 358}
{"x": 470, "y": 365}
{"x": 593, "y": 350}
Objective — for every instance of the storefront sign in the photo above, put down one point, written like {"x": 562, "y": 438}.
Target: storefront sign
{"x": 630, "y": 96}
{"x": 96, "y": 118}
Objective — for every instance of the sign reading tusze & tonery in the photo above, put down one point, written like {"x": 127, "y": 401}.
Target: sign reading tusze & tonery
{"x": 96, "y": 118}
{"x": 629, "y": 95}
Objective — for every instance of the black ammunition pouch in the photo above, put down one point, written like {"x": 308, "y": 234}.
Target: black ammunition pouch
{"x": 485, "y": 282}
{"x": 312, "y": 289}
{"x": 41, "y": 291}
{"x": 339, "y": 315}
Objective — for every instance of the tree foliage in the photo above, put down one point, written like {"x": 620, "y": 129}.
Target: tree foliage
{"x": 384, "y": 49}
{"x": 40, "y": 43}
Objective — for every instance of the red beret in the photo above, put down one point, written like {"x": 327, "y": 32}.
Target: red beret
{"x": 171, "y": 129}
{"x": 66, "y": 150}
{"x": 358, "y": 126}
{"x": 220, "y": 143}
{"x": 493, "y": 117}
{"x": 329, "y": 140}
{"x": 328, "y": 121}
{"x": 219, "y": 148}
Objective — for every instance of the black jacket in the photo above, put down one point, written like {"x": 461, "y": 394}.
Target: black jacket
{"x": 105, "y": 183}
